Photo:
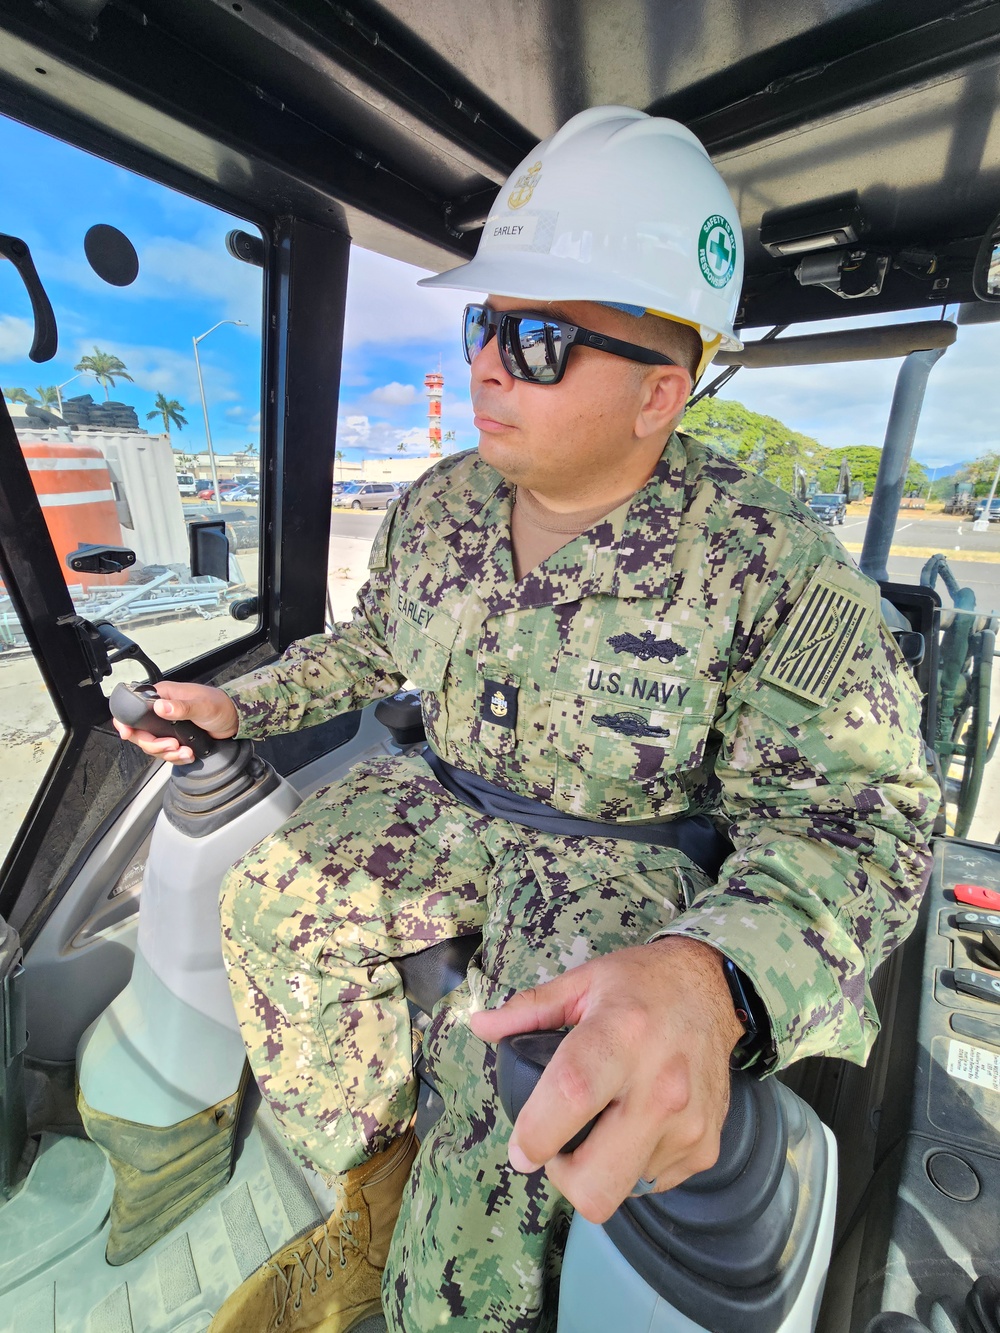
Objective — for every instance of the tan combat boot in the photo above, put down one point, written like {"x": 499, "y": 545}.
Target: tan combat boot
{"x": 329, "y": 1280}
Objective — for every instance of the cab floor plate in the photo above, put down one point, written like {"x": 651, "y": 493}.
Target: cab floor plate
{"x": 53, "y": 1274}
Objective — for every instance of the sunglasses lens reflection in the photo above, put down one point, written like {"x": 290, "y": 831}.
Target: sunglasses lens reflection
{"x": 538, "y": 345}
{"x": 530, "y": 349}
{"x": 475, "y": 330}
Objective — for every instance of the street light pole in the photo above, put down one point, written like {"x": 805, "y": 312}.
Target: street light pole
{"x": 60, "y": 387}
{"x": 204, "y": 405}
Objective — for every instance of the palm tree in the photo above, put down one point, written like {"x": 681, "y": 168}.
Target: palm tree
{"x": 105, "y": 368}
{"x": 20, "y": 396}
{"x": 170, "y": 410}
{"x": 339, "y": 460}
{"x": 401, "y": 447}
{"x": 47, "y": 397}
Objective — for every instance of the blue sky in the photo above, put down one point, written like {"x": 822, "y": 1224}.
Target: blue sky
{"x": 395, "y": 332}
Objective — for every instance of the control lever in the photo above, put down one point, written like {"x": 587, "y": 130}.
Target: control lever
{"x": 521, "y": 1061}
{"x": 133, "y": 705}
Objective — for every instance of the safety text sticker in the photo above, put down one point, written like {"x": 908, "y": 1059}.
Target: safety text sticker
{"x": 974, "y": 1065}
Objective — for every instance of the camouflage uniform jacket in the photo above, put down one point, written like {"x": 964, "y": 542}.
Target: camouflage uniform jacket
{"x": 707, "y": 647}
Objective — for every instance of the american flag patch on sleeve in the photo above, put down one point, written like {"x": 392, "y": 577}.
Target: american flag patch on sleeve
{"x": 821, "y": 636}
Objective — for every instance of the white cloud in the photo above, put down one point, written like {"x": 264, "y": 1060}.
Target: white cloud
{"x": 379, "y": 439}
{"x": 849, "y": 403}
{"x": 15, "y": 338}
{"x": 396, "y": 394}
{"x": 171, "y": 269}
{"x": 385, "y": 305}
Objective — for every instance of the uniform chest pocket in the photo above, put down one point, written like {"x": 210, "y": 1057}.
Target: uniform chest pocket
{"x": 628, "y": 743}
{"x": 422, "y": 638}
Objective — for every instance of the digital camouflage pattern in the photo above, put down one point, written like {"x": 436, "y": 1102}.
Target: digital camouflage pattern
{"x": 383, "y": 864}
{"x": 658, "y": 665}
{"x": 705, "y": 648}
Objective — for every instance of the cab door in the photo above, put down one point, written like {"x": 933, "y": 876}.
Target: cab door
{"x": 190, "y": 336}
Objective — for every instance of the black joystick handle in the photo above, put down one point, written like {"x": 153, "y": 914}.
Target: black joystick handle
{"x": 521, "y": 1061}
{"x": 133, "y": 705}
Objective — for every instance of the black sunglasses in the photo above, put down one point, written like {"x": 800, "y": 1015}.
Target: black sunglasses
{"x": 536, "y": 349}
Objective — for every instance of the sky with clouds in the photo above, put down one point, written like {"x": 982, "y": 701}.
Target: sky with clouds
{"x": 395, "y": 332}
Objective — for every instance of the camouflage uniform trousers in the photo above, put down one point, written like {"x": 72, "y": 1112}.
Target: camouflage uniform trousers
{"x": 383, "y": 864}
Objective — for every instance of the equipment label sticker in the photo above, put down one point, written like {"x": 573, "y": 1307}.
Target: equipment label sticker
{"x": 974, "y": 1065}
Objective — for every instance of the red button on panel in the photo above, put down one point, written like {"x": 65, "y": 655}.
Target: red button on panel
{"x": 974, "y": 895}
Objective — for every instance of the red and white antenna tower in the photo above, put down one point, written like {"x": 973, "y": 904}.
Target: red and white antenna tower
{"x": 434, "y": 384}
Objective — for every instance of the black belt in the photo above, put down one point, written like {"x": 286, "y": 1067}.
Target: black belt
{"x": 696, "y": 836}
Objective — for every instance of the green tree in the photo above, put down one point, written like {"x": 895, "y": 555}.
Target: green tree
{"x": 980, "y": 472}
{"x": 759, "y": 443}
{"x": 339, "y": 462}
{"x": 20, "y": 396}
{"x": 47, "y": 397}
{"x": 916, "y": 477}
{"x": 862, "y": 461}
{"x": 401, "y": 447}
{"x": 170, "y": 410}
{"x": 105, "y": 368}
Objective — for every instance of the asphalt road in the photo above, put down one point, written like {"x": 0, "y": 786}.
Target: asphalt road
{"x": 915, "y": 540}
{"x": 351, "y": 523}
{"x": 943, "y": 533}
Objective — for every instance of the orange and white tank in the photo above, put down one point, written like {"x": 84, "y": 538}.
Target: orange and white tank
{"x": 77, "y": 497}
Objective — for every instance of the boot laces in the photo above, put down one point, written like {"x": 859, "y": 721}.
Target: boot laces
{"x": 305, "y": 1266}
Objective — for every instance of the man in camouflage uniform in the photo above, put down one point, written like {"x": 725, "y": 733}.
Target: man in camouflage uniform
{"x": 692, "y": 643}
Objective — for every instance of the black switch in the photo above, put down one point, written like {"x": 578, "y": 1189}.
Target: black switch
{"x": 991, "y": 948}
{"x": 978, "y": 984}
{"x": 977, "y": 920}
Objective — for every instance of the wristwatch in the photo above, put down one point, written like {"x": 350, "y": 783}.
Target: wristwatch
{"x": 756, "y": 1047}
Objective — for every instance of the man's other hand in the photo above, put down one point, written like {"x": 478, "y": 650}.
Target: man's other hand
{"x": 653, "y": 1028}
{"x": 204, "y": 705}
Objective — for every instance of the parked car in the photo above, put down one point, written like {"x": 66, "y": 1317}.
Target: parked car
{"x": 187, "y": 485}
{"x": 250, "y": 492}
{"x": 994, "y": 509}
{"x": 208, "y": 492}
{"x": 830, "y": 508}
{"x": 368, "y": 494}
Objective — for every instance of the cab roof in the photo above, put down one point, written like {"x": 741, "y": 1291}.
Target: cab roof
{"x": 397, "y": 122}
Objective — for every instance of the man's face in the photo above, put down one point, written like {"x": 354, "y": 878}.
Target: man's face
{"x": 549, "y": 436}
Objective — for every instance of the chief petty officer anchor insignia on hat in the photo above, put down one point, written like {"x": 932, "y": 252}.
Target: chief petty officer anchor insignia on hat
{"x": 524, "y": 187}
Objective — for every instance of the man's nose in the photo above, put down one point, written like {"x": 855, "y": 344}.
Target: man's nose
{"x": 487, "y": 366}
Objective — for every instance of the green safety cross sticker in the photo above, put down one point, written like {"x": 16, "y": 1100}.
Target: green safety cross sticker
{"x": 717, "y": 251}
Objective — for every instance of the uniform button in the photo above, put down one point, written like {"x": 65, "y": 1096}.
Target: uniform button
{"x": 953, "y": 1176}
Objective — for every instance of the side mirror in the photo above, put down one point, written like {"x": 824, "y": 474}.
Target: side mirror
{"x": 986, "y": 270}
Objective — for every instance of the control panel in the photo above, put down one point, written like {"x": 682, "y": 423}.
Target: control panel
{"x": 930, "y": 1229}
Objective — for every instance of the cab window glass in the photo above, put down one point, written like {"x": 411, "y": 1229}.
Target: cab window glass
{"x": 148, "y": 417}
{"x": 404, "y": 403}
{"x": 30, "y": 727}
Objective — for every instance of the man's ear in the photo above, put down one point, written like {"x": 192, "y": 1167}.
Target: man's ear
{"x": 665, "y": 391}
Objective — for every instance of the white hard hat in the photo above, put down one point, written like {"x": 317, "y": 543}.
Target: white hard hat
{"x": 617, "y": 207}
